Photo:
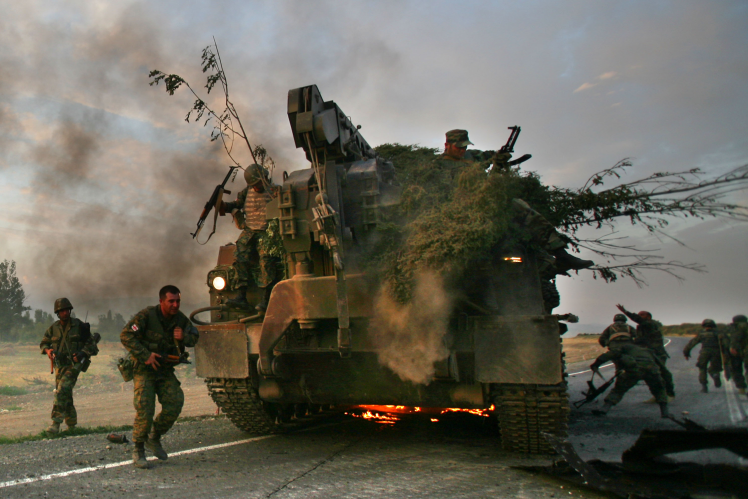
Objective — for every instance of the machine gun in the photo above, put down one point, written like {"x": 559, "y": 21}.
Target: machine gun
{"x": 592, "y": 391}
{"x": 508, "y": 148}
{"x": 214, "y": 198}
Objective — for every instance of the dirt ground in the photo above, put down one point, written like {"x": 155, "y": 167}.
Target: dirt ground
{"x": 101, "y": 398}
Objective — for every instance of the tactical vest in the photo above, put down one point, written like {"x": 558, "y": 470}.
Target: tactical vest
{"x": 158, "y": 340}
{"x": 66, "y": 344}
{"x": 709, "y": 339}
{"x": 254, "y": 210}
{"x": 622, "y": 332}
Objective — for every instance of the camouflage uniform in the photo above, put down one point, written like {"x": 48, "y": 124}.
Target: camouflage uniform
{"x": 251, "y": 258}
{"x": 633, "y": 363}
{"x": 67, "y": 340}
{"x": 739, "y": 343}
{"x": 649, "y": 334}
{"x": 710, "y": 356}
{"x": 149, "y": 331}
{"x": 616, "y": 334}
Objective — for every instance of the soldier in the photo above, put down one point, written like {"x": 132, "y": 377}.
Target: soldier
{"x": 69, "y": 345}
{"x": 739, "y": 350}
{"x": 649, "y": 334}
{"x": 249, "y": 214}
{"x": 617, "y": 333}
{"x": 633, "y": 363}
{"x": 710, "y": 356}
{"x": 153, "y": 339}
{"x": 456, "y": 155}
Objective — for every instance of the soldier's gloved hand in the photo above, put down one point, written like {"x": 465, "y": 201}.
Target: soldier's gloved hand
{"x": 50, "y": 353}
{"x": 79, "y": 356}
{"x": 595, "y": 367}
{"x": 733, "y": 352}
{"x": 687, "y": 356}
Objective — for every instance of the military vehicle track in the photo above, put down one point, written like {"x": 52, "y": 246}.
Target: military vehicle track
{"x": 240, "y": 402}
{"x": 524, "y": 412}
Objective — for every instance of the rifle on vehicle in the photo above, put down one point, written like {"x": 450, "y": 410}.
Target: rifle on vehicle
{"x": 592, "y": 391}
{"x": 214, "y": 198}
{"x": 508, "y": 148}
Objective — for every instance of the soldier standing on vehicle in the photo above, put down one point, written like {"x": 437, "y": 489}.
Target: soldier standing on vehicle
{"x": 69, "y": 345}
{"x": 739, "y": 351}
{"x": 617, "y": 333}
{"x": 710, "y": 357}
{"x": 153, "y": 339}
{"x": 251, "y": 258}
{"x": 633, "y": 363}
{"x": 456, "y": 156}
{"x": 649, "y": 334}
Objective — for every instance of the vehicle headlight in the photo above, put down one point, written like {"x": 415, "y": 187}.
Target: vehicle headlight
{"x": 219, "y": 283}
{"x": 513, "y": 259}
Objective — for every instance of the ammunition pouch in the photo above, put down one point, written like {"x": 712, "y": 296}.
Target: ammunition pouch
{"x": 125, "y": 367}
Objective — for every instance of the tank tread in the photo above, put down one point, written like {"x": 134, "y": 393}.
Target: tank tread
{"x": 241, "y": 403}
{"x": 527, "y": 411}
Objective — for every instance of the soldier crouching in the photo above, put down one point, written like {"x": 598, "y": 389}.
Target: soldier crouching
{"x": 153, "y": 339}
{"x": 69, "y": 345}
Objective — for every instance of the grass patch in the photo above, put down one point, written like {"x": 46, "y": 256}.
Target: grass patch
{"x": 12, "y": 390}
{"x": 64, "y": 434}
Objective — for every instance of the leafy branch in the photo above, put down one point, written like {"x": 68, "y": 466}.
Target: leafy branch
{"x": 227, "y": 125}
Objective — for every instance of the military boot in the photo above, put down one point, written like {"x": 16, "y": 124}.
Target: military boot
{"x": 138, "y": 456}
{"x": 565, "y": 261}
{"x": 664, "y": 413}
{"x": 704, "y": 388}
{"x": 603, "y": 410}
{"x": 240, "y": 300}
{"x": 54, "y": 428}
{"x": 71, "y": 427}
{"x": 263, "y": 305}
{"x": 717, "y": 381}
{"x": 154, "y": 445}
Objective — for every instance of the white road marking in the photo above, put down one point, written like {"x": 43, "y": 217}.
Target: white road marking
{"x": 21, "y": 481}
{"x": 608, "y": 364}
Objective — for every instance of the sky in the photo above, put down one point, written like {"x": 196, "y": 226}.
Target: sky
{"x": 102, "y": 181}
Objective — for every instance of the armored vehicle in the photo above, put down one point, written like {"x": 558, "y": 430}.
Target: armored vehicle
{"x": 317, "y": 345}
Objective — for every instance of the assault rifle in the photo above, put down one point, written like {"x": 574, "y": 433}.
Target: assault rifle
{"x": 508, "y": 148}
{"x": 217, "y": 193}
{"x": 592, "y": 391}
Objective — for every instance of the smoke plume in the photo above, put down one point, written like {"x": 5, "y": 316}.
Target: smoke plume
{"x": 410, "y": 338}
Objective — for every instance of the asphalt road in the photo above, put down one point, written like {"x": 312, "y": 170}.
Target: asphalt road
{"x": 607, "y": 437}
{"x": 347, "y": 457}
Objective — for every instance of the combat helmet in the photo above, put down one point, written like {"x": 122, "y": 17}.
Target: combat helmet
{"x": 253, "y": 174}
{"x": 619, "y": 318}
{"x": 62, "y": 304}
{"x": 740, "y": 318}
{"x": 708, "y": 323}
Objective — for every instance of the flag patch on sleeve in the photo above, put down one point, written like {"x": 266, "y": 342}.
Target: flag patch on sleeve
{"x": 134, "y": 327}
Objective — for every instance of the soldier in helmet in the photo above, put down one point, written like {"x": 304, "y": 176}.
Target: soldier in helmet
{"x": 739, "y": 350}
{"x": 152, "y": 337}
{"x": 649, "y": 334}
{"x": 710, "y": 357}
{"x": 251, "y": 258}
{"x": 633, "y": 364}
{"x": 69, "y": 345}
{"x": 617, "y": 333}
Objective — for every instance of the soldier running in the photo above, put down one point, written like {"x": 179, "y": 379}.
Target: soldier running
{"x": 153, "y": 339}
{"x": 633, "y": 363}
{"x": 69, "y": 345}
{"x": 739, "y": 350}
{"x": 649, "y": 334}
{"x": 710, "y": 356}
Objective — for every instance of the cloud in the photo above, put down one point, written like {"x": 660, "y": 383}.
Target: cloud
{"x": 584, "y": 86}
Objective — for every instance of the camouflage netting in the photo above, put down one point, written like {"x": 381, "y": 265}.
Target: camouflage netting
{"x": 450, "y": 214}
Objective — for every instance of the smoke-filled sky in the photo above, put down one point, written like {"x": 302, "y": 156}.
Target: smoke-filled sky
{"x": 102, "y": 180}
